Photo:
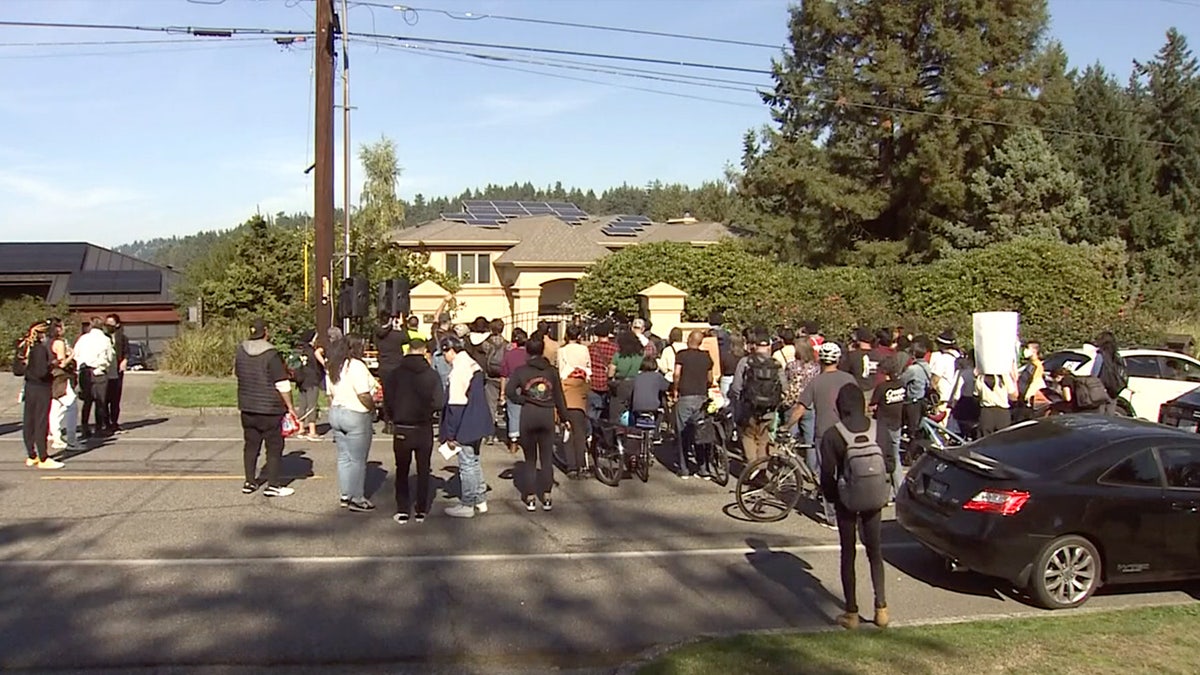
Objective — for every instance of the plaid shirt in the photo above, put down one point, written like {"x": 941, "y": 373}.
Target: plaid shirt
{"x": 602, "y": 354}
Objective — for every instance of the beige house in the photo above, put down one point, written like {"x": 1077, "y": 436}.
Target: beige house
{"x": 519, "y": 268}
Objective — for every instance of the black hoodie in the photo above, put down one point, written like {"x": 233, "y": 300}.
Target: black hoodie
{"x": 413, "y": 392}
{"x": 390, "y": 344}
{"x": 537, "y": 384}
{"x": 852, "y": 412}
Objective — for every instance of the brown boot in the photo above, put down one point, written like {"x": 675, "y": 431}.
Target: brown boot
{"x": 881, "y": 617}
{"x": 849, "y": 620}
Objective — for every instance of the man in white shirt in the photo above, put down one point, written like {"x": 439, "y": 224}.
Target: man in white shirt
{"x": 944, "y": 365}
{"x": 95, "y": 355}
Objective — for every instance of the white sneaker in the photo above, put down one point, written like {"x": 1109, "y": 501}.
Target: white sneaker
{"x": 31, "y": 461}
{"x": 59, "y": 446}
{"x": 461, "y": 511}
{"x": 279, "y": 492}
{"x": 481, "y": 507}
{"x": 50, "y": 464}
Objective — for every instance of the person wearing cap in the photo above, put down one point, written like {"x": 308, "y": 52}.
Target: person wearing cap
{"x": 858, "y": 359}
{"x": 639, "y": 327}
{"x": 821, "y": 397}
{"x": 309, "y": 376}
{"x": 754, "y": 422}
{"x": 413, "y": 395}
{"x": 264, "y": 396}
{"x": 943, "y": 363}
{"x": 391, "y": 343}
{"x": 39, "y": 380}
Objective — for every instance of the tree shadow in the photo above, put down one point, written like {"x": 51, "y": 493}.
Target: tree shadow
{"x": 10, "y": 428}
{"x": 143, "y": 423}
{"x": 794, "y": 575}
{"x": 13, "y": 533}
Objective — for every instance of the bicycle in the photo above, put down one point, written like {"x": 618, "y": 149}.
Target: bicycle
{"x": 931, "y": 435}
{"x": 770, "y": 487}
{"x": 610, "y": 460}
{"x": 714, "y": 431}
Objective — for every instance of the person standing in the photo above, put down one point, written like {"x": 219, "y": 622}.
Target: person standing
{"x": 757, "y": 388}
{"x": 264, "y": 395}
{"x": 622, "y": 370}
{"x": 640, "y": 328}
{"x": 996, "y": 396}
{"x": 35, "y": 421}
{"x": 96, "y": 357}
{"x": 820, "y": 396}
{"x": 943, "y": 364}
{"x": 666, "y": 360}
{"x": 116, "y": 378}
{"x": 310, "y": 379}
{"x": 537, "y": 388}
{"x": 63, "y": 409}
{"x": 351, "y": 390}
{"x": 413, "y": 394}
{"x": 390, "y": 342}
{"x": 575, "y": 394}
{"x": 858, "y": 495}
{"x": 691, "y": 380}
{"x": 798, "y": 374}
{"x": 601, "y": 353}
{"x": 466, "y": 421}
{"x": 574, "y": 354}
{"x": 515, "y": 357}
{"x": 887, "y": 403}
{"x": 728, "y": 358}
{"x": 551, "y": 346}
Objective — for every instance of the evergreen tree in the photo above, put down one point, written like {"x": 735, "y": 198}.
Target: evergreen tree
{"x": 881, "y": 112}
{"x": 1171, "y": 90}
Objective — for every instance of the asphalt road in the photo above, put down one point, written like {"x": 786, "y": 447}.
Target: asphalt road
{"x": 143, "y": 552}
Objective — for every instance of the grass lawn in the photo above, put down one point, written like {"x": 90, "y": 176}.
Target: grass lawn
{"x": 1155, "y": 640}
{"x": 204, "y": 393}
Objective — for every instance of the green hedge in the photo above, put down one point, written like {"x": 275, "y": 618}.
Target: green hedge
{"x": 16, "y": 315}
{"x": 1065, "y": 293}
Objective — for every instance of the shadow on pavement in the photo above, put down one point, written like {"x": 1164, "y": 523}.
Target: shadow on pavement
{"x": 296, "y": 465}
{"x": 794, "y": 575}
{"x": 143, "y": 423}
{"x": 10, "y": 428}
{"x": 930, "y": 568}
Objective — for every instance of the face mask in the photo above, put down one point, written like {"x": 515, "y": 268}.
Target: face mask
{"x": 1028, "y": 353}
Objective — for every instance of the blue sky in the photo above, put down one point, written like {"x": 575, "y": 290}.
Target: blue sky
{"x": 115, "y": 143}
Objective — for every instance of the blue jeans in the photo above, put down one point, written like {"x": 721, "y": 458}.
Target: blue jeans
{"x": 688, "y": 410}
{"x": 513, "y": 424}
{"x": 898, "y": 472}
{"x": 596, "y": 405}
{"x": 352, "y": 433}
{"x": 470, "y": 474}
{"x": 806, "y": 427}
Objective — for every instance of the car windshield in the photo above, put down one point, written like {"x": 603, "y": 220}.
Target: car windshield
{"x": 1035, "y": 447}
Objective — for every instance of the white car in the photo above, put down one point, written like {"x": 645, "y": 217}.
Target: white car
{"x": 1155, "y": 376}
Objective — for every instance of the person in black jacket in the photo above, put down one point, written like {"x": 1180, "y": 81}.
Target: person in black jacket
{"x": 39, "y": 378}
{"x": 264, "y": 395}
{"x": 389, "y": 342}
{"x": 412, "y": 395}
{"x": 116, "y": 379}
{"x": 537, "y": 387}
{"x": 851, "y": 408}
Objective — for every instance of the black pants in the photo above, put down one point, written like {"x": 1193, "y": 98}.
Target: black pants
{"x": 258, "y": 430}
{"x": 577, "y": 443}
{"x": 912, "y": 413}
{"x": 35, "y": 425}
{"x": 409, "y": 441}
{"x": 993, "y": 419}
{"x": 94, "y": 392}
{"x": 847, "y": 524}
{"x": 620, "y": 400}
{"x": 537, "y": 439}
{"x": 115, "y": 387}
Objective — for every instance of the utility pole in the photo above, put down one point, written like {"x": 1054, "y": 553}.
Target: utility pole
{"x": 323, "y": 175}
{"x": 346, "y": 147}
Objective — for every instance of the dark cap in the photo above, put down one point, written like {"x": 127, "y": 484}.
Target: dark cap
{"x": 258, "y": 329}
{"x": 862, "y": 335}
{"x": 947, "y": 337}
{"x": 811, "y": 328}
{"x": 763, "y": 340}
{"x": 308, "y": 336}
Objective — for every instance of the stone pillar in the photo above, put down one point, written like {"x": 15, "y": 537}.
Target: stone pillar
{"x": 425, "y": 300}
{"x": 526, "y": 302}
{"x": 662, "y": 305}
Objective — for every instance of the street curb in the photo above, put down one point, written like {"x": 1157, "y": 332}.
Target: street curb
{"x": 195, "y": 412}
{"x": 645, "y": 658}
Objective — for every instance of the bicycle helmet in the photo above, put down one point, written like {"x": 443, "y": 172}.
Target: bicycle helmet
{"x": 829, "y": 353}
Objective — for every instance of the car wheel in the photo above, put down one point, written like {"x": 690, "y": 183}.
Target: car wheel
{"x": 1066, "y": 573}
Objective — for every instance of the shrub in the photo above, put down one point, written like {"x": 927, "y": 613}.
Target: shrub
{"x": 206, "y": 351}
{"x": 18, "y": 314}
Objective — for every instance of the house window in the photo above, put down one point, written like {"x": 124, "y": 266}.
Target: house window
{"x": 472, "y": 268}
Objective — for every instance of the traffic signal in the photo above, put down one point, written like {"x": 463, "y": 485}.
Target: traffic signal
{"x": 354, "y": 298}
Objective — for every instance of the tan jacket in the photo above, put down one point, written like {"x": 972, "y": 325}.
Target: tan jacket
{"x": 575, "y": 391}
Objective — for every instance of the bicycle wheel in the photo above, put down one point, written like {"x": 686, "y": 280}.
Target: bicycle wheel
{"x": 644, "y": 457}
{"x": 608, "y": 462}
{"x": 769, "y": 489}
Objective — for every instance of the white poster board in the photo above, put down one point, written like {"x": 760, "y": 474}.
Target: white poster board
{"x": 996, "y": 342}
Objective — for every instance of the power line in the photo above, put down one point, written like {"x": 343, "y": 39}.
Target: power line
{"x": 185, "y": 30}
{"x": 474, "y": 16}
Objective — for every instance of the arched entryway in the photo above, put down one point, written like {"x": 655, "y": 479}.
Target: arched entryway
{"x": 557, "y": 297}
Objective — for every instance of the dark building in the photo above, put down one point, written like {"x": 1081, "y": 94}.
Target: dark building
{"x": 95, "y": 281}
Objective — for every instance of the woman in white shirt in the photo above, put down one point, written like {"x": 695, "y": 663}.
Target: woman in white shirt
{"x": 996, "y": 394}
{"x": 666, "y": 361}
{"x": 351, "y": 390}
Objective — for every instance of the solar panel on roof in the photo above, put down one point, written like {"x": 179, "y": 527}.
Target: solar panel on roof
{"x": 115, "y": 282}
{"x": 634, "y": 219}
{"x": 25, "y": 258}
{"x": 612, "y": 232}
{"x": 476, "y": 203}
{"x": 561, "y": 205}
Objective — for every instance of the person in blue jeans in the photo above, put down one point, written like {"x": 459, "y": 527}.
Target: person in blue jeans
{"x": 466, "y": 421}
{"x": 692, "y": 378}
{"x": 351, "y": 389}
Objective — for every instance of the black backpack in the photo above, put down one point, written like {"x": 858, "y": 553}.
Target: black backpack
{"x": 20, "y": 357}
{"x": 762, "y": 391}
{"x": 1090, "y": 393}
{"x": 1114, "y": 376}
{"x": 494, "y": 348}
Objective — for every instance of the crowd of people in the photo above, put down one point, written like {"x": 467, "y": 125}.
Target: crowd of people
{"x": 857, "y": 406}
{"x": 60, "y": 376}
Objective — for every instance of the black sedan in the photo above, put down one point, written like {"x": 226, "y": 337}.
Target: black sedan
{"x": 1063, "y": 505}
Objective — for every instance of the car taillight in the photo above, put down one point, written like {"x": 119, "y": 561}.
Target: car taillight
{"x": 1004, "y": 502}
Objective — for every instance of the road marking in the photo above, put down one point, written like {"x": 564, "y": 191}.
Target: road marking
{"x": 446, "y": 558}
{"x": 135, "y": 476}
